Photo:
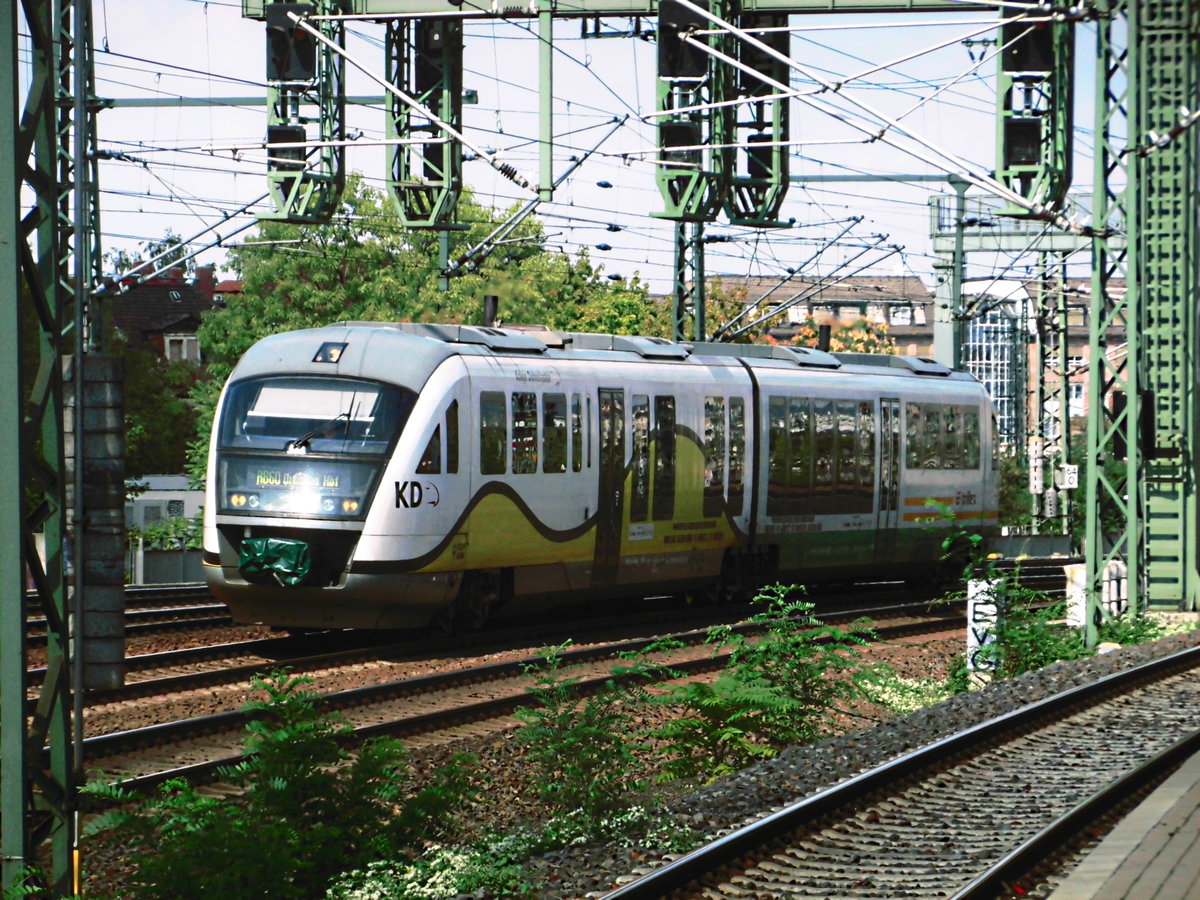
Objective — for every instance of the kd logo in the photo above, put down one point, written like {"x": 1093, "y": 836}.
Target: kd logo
{"x": 408, "y": 494}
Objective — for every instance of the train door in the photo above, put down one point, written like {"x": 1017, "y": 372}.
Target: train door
{"x": 889, "y": 477}
{"x": 611, "y": 497}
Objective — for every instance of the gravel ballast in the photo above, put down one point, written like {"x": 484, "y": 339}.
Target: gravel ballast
{"x": 584, "y": 872}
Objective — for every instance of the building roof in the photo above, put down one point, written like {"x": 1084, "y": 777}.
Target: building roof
{"x": 161, "y": 306}
{"x": 856, "y": 288}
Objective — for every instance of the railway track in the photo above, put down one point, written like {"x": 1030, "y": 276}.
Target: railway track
{"x": 426, "y": 708}
{"x": 149, "y": 610}
{"x": 302, "y": 653}
{"x": 968, "y": 816}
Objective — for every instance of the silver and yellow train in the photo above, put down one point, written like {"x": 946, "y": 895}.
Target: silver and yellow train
{"x": 368, "y": 475}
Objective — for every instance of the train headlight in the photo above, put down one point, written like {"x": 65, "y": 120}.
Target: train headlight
{"x": 328, "y": 504}
{"x": 252, "y": 501}
{"x": 237, "y": 500}
{"x": 349, "y": 505}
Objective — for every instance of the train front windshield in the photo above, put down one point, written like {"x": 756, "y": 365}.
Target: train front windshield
{"x": 306, "y": 446}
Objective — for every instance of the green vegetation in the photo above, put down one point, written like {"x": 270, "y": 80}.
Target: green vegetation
{"x": 781, "y": 687}
{"x": 178, "y": 533}
{"x": 578, "y": 741}
{"x": 1032, "y": 630}
{"x": 314, "y": 821}
{"x": 308, "y": 812}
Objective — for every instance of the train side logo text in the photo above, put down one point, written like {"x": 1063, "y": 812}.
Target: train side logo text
{"x": 411, "y": 494}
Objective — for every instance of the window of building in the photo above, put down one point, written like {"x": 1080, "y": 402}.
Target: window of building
{"x": 181, "y": 348}
{"x": 1077, "y": 398}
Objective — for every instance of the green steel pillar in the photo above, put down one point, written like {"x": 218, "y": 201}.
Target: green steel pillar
{"x": 1034, "y": 109}
{"x": 305, "y": 184}
{"x": 424, "y": 61}
{"x": 1164, "y": 168}
{"x": 546, "y": 105}
{"x": 947, "y": 293}
{"x": 1112, "y": 536}
{"x": 13, "y": 791}
{"x": 693, "y": 133}
{"x": 41, "y": 809}
{"x": 760, "y": 126}
{"x": 689, "y": 281}
{"x": 1052, "y": 482}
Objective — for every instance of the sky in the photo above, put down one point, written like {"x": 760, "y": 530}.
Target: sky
{"x": 187, "y": 168}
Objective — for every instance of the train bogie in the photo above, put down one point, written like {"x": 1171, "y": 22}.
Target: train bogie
{"x": 417, "y": 472}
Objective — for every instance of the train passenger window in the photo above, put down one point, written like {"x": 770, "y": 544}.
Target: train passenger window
{"x": 737, "y": 454}
{"x": 914, "y": 430}
{"x": 576, "y": 434}
{"x": 639, "y": 500}
{"x": 431, "y": 459}
{"x": 847, "y": 432}
{"x": 824, "y": 450}
{"x": 714, "y": 455}
{"x": 554, "y": 432}
{"x": 865, "y": 463}
{"x": 452, "y": 438}
{"x": 777, "y": 456}
{"x": 800, "y": 461}
{"x": 493, "y": 433}
{"x": 866, "y": 451}
{"x": 664, "y": 457}
{"x": 951, "y": 438}
{"x": 524, "y": 432}
{"x": 931, "y": 444}
{"x": 970, "y": 419}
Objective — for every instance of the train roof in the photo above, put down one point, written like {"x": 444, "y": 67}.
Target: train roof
{"x": 423, "y": 346}
{"x": 538, "y": 340}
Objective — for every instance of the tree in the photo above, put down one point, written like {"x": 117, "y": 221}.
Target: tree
{"x": 859, "y": 336}
{"x": 159, "y": 419}
{"x": 122, "y": 262}
{"x": 722, "y": 306}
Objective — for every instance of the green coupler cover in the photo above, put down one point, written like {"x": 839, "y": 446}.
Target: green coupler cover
{"x": 282, "y": 561}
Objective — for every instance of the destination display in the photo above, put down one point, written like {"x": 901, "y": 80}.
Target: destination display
{"x": 300, "y": 487}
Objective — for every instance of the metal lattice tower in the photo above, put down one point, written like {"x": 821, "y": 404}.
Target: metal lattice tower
{"x": 1141, "y": 506}
{"x": 50, "y": 255}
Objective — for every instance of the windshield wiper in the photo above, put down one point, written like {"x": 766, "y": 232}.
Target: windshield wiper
{"x": 325, "y": 429}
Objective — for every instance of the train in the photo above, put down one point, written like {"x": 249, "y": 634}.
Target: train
{"x": 407, "y": 475}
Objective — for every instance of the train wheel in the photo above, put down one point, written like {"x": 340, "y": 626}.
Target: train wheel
{"x": 477, "y": 595}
